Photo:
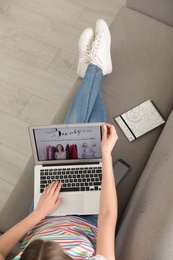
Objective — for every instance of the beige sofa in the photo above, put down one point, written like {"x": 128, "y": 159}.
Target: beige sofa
{"x": 142, "y": 54}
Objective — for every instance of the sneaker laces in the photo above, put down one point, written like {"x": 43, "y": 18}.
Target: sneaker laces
{"x": 93, "y": 56}
{"x": 85, "y": 55}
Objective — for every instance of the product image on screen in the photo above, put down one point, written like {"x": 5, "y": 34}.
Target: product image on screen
{"x": 68, "y": 143}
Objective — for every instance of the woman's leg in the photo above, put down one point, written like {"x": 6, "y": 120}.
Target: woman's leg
{"x": 98, "y": 113}
{"x": 91, "y": 219}
{"x": 87, "y": 105}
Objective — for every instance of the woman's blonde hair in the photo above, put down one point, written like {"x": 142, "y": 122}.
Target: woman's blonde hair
{"x": 44, "y": 250}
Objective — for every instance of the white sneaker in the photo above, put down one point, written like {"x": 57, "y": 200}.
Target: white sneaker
{"x": 100, "y": 54}
{"x": 85, "y": 45}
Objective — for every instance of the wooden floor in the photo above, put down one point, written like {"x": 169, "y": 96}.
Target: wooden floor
{"x": 38, "y": 59}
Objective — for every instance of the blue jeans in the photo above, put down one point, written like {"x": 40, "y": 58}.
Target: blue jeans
{"x": 87, "y": 106}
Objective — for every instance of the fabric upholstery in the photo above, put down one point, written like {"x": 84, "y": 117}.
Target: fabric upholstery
{"x": 147, "y": 226}
{"x": 142, "y": 59}
{"x": 157, "y": 9}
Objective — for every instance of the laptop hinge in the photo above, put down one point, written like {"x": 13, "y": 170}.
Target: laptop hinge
{"x": 73, "y": 164}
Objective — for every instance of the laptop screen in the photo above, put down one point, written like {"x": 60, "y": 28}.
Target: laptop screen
{"x": 68, "y": 142}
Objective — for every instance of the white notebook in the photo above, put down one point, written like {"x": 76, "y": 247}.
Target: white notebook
{"x": 140, "y": 120}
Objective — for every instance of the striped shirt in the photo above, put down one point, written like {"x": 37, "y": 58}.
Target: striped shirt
{"x": 76, "y": 236}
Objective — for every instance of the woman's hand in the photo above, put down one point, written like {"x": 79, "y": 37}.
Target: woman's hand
{"x": 49, "y": 200}
{"x": 109, "y": 139}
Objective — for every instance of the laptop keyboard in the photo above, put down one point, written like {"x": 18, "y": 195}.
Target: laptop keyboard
{"x": 73, "y": 179}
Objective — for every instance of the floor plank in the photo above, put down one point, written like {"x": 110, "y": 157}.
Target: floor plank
{"x": 14, "y": 134}
{"x": 54, "y": 10}
{"x": 64, "y": 64}
{"x": 38, "y": 111}
{"x": 11, "y": 169}
{"x": 34, "y": 80}
{"x": 38, "y": 60}
{"x": 39, "y": 27}
{"x": 12, "y": 99}
{"x": 25, "y": 48}
{"x": 89, "y": 17}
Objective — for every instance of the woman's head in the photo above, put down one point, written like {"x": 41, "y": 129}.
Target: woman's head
{"x": 59, "y": 148}
{"x": 44, "y": 250}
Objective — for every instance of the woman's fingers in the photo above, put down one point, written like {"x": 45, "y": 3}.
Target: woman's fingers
{"x": 53, "y": 187}
{"x": 57, "y": 190}
{"x": 109, "y": 138}
{"x": 49, "y": 188}
{"x": 49, "y": 199}
{"x": 108, "y": 130}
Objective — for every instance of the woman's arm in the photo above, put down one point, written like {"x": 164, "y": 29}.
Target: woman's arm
{"x": 47, "y": 204}
{"x": 108, "y": 199}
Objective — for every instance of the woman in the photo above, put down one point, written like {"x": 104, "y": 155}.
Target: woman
{"x": 59, "y": 153}
{"x": 77, "y": 237}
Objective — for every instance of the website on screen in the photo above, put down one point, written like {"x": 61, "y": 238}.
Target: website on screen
{"x": 68, "y": 143}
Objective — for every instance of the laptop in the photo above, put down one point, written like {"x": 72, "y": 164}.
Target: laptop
{"x": 70, "y": 153}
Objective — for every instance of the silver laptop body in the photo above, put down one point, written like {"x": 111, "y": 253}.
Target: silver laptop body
{"x": 70, "y": 153}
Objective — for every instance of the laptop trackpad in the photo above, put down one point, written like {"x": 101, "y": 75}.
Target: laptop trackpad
{"x": 72, "y": 204}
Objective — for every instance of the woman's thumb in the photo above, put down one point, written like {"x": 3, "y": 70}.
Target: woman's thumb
{"x": 104, "y": 131}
